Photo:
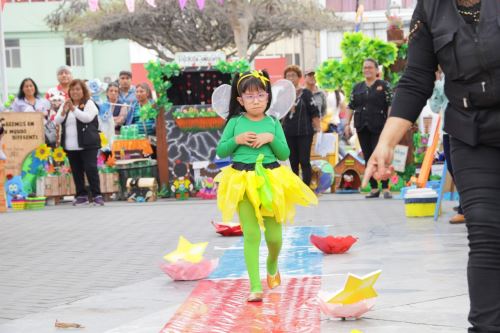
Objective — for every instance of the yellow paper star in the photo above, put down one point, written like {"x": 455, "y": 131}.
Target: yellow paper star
{"x": 187, "y": 251}
{"x": 356, "y": 289}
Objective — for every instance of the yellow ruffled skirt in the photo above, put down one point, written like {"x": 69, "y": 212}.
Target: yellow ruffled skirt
{"x": 286, "y": 188}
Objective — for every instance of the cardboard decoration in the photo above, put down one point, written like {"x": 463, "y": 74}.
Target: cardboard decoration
{"x": 352, "y": 167}
{"x": 24, "y": 132}
{"x": 356, "y": 289}
{"x": 356, "y": 297}
{"x": 187, "y": 251}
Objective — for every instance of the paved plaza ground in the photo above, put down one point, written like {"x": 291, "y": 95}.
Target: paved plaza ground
{"x": 98, "y": 266}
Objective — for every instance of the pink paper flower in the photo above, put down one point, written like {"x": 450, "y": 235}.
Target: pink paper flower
{"x": 356, "y": 310}
{"x": 186, "y": 271}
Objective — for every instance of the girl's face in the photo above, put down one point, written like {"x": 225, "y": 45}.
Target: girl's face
{"x": 112, "y": 94}
{"x": 29, "y": 89}
{"x": 141, "y": 94}
{"x": 254, "y": 102}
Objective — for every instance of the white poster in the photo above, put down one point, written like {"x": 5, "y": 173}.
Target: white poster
{"x": 399, "y": 160}
{"x": 198, "y": 59}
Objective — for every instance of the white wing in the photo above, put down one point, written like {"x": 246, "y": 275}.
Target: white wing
{"x": 284, "y": 95}
{"x": 220, "y": 100}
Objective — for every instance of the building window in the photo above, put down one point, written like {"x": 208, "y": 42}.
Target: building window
{"x": 74, "y": 54}
{"x": 12, "y": 53}
{"x": 292, "y": 58}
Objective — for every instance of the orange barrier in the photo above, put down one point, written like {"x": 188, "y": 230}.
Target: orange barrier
{"x": 425, "y": 170}
{"x": 123, "y": 145}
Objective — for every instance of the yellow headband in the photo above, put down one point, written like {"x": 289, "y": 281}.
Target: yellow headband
{"x": 256, "y": 74}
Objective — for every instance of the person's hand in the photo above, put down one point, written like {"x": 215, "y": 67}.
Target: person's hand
{"x": 262, "y": 139}
{"x": 347, "y": 131}
{"x": 379, "y": 166}
{"x": 246, "y": 138}
{"x": 67, "y": 106}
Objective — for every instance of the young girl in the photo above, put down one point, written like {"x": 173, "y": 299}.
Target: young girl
{"x": 256, "y": 186}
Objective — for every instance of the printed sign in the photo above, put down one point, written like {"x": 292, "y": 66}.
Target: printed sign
{"x": 24, "y": 132}
{"x": 399, "y": 161}
{"x": 198, "y": 59}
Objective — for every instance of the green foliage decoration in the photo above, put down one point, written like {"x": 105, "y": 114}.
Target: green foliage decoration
{"x": 356, "y": 47}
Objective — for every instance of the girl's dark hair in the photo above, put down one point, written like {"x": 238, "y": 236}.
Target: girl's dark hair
{"x": 111, "y": 85}
{"x": 337, "y": 97}
{"x": 372, "y": 61}
{"x": 21, "y": 94}
{"x": 248, "y": 83}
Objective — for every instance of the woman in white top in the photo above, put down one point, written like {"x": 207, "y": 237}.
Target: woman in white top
{"x": 81, "y": 141}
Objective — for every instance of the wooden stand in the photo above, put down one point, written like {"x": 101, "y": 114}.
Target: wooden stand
{"x": 162, "y": 149}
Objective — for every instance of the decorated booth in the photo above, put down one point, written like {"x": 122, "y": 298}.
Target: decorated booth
{"x": 193, "y": 128}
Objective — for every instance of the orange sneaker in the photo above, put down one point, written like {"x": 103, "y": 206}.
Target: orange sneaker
{"x": 273, "y": 281}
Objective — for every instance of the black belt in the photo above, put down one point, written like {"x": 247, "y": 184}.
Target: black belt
{"x": 251, "y": 166}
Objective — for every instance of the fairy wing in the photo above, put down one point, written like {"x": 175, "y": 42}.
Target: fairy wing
{"x": 284, "y": 95}
{"x": 220, "y": 100}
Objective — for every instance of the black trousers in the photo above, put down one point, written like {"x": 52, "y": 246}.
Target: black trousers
{"x": 300, "y": 153}
{"x": 368, "y": 142}
{"x": 84, "y": 162}
{"x": 449, "y": 163}
{"x": 477, "y": 175}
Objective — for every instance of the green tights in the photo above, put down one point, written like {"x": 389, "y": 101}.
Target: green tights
{"x": 252, "y": 237}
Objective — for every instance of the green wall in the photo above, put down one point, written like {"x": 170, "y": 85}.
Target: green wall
{"x": 43, "y": 51}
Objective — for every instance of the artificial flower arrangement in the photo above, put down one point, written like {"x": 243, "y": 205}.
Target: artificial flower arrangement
{"x": 197, "y": 118}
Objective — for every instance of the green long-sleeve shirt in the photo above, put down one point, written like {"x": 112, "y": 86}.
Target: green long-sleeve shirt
{"x": 276, "y": 150}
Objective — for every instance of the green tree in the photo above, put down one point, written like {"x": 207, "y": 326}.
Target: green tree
{"x": 356, "y": 47}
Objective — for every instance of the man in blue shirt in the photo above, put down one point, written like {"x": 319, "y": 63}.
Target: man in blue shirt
{"x": 127, "y": 90}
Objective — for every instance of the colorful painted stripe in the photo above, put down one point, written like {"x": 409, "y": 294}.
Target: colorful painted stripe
{"x": 297, "y": 258}
{"x": 220, "y": 306}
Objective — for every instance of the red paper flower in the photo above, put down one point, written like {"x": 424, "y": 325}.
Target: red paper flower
{"x": 186, "y": 271}
{"x": 333, "y": 245}
{"x": 228, "y": 229}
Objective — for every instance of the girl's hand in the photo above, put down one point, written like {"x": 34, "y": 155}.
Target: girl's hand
{"x": 246, "y": 138}
{"x": 379, "y": 165}
{"x": 262, "y": 139}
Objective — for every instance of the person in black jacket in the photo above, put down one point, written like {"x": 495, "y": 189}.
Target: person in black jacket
{"x": 299, "y": 126}
{"x": 370, "y": 102}
{"x": 463, "y": 37}
{"x": 81, "y": 141}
